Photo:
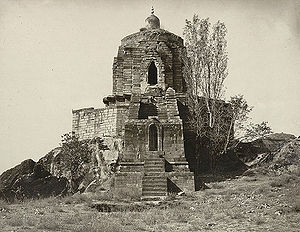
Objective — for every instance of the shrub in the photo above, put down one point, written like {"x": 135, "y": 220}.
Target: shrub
{"x": 282, "y": 180}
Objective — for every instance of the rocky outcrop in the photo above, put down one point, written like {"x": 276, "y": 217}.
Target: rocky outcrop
{"x": 276, "y": 153}
{"x": 30, "y": 180}
{"x": 260, "y": 149}
{"x": 90, "y": 174}
{"x": 287, "y": 158}
{"x": 52, "y": 175}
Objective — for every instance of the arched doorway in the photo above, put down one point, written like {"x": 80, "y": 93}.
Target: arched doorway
{"x": 152, "y": 74}
{"x": 153, "y": 138}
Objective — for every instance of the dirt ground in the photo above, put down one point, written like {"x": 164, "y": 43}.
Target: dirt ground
{"x": 247, "y": 203}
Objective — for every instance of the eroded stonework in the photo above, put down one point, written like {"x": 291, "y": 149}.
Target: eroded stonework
{"x": 143, "y": 112}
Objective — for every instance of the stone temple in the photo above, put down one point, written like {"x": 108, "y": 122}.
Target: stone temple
{"x": 146, "y": 112}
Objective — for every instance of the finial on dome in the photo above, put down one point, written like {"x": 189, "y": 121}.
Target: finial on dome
{"x": 152, "y": 10}
{"x": 152, "y": 21}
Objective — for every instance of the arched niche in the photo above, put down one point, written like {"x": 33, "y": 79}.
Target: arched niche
{"x": 153, "y": 137}
{"x": 152, "y": 74}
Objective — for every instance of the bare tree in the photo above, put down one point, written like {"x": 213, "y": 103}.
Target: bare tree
{"x": 205, "y": 69}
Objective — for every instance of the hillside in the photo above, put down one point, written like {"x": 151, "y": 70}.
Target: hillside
{"x": 256, "y": 203}
{"x": 265, "y": 198}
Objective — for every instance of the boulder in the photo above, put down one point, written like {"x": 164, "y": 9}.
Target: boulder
{"x": 287, "y": 158}
{"x": 259, "y": 150}
{"x": 91, "y": 174}
{"x": 9, "y": 177}
{"x": 30, "y": 180}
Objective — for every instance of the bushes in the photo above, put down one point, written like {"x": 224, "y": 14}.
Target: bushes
{"x": 283, "y": 180}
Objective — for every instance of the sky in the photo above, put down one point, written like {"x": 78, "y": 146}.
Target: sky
{"x": 57, "y": 55}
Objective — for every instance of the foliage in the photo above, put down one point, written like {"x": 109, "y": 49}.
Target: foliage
{"x": 77, "y": 153}
{"x": 205, "y": 69}
{"x": 257, "y": 130}
{"x": 243, "y": 129}
{"x": 240, "y": 113}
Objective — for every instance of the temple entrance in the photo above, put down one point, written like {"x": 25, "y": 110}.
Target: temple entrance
{"x": 152, "y": 74}
{"x": 153, "y": 138}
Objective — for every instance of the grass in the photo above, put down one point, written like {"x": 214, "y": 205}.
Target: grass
{"x": 249, "y": 203}
{"x": 296, "y": 205}
{"x": 50, "y": 223}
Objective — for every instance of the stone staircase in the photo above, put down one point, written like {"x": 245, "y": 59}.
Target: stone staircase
{"x": 154, "y": 183}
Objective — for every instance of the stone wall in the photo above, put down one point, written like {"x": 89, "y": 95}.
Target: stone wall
{"x": 129, "y": 182}
{"x": 105, "y": 122}
{"x": 162, "y": 111}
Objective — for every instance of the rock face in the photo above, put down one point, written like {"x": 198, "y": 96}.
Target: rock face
{"x": 275, "y": 153}
{"x": 51, "y": 175}
{"x": 287, "y": 158}
{"x": 258, "y": 150}
{"x": 30, "y": 180}
{"x": 89, "y": 175}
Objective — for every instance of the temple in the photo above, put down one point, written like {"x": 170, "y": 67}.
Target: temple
{"x": 147, "y": 113}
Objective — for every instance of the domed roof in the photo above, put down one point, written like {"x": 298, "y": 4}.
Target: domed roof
{"x": 152, "y": 21}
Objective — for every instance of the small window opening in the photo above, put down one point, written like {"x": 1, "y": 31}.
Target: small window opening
{"x": 152, "y": 74}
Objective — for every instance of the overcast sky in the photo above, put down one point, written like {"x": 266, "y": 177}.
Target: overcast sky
{"x": 56, "y": 55}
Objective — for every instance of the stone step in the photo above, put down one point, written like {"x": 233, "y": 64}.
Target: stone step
{"x": 154, "y": 193}
{"x": 153, "y": 159}
{"x": 158, "y": 184}
{"x": 154, "y": 163}
{"x": 154, "y": 174}
{"x": 151, "y": 179}
{"x": 155, "y": 153}
{"x": 154, "y": 182}
{"x": 155, "y": 188}
{"x": 154, "y": 169}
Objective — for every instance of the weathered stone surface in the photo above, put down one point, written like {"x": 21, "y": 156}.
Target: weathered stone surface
{"x": 288, "y": 157}
{"x": 146, "y": 112}
{"x": 30, "y": 180}
{"x": 9, "y": 177}
{"x": 261, "y": 147}
{"x": 90, "y": 175}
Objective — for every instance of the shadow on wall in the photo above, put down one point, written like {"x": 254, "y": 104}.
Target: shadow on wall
{"x": 227, "y": 165}
{"x": 172, "y": 187}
